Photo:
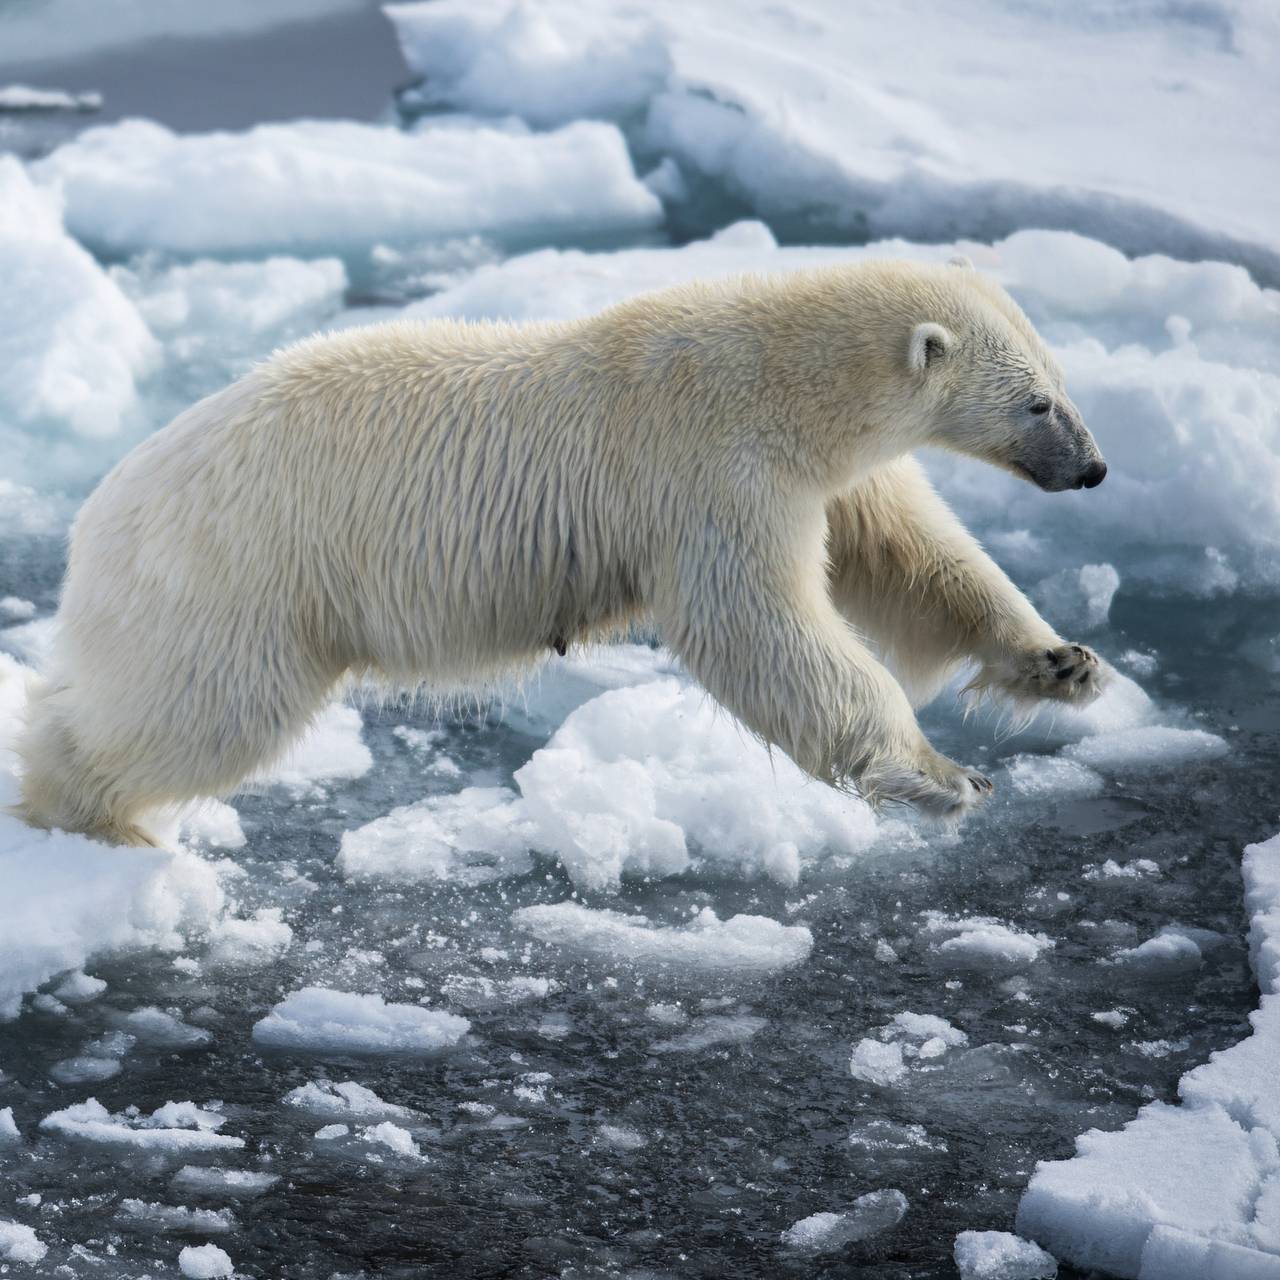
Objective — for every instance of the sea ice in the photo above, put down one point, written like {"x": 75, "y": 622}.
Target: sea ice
{"x": 981, "y": 943}
{"x": 332, "y": 749}
{"x": 998, "y": 1255}
{"x": 204, "y": 1180}
{"x": 176, "y": 1128}
{"x": 318, "y": 1020}
{"x": 72, "y": 346}
{"x": 867, "y": 1216}
{"x": 742, "y": 943}
{"x": 249, "y": 944}
{"x": 19, "y": 1243}
{"x": 316, "y": 187}
{"x": 204, "y": 1262}
{"x": 1150, "y": 747}
{"x": 347, "y": 1099}
{"x": 1185, "y": 1192}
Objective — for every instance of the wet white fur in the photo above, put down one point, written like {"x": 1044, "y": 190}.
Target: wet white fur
{"x": 439, "y": 503}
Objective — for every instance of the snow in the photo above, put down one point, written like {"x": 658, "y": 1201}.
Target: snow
{"x": 204, "y": 1262}
{"x": 72, "y": 345}
{"x": 869, "y": 1215}
{"x": 319, "y": 1020}
{"x": 177, "y": 1128}
{"x": 68, "y": 899}
{"x": 833, "y": 122}
{"x": 998, "y": 1255}
{"x": 743, "y": 943}
{"x": 1185, "y": 1190}
{"x": 315, "y": 187}
{"x": 19, "y": 1243}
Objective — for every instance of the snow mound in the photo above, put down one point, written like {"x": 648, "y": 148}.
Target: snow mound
{"x": 72, "y": 345}
{"x": 997, "y": 1255}
{"x": 338, "y": 187}
{"x": 1190, "y": 1190}
{"x": 177, "y": 1128}
{"x": 843, "y": 123}
{"x": 741, "y": 943}
{"x": 319, "y": 1020}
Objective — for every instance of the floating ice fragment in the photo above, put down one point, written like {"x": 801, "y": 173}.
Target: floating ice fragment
{"x": 1169, "y": 953}
{"x": 320, "y": 1020}
{"x": 204, "y": 1262}
{"x": 333, "y": 749}
{"x": 709, "y": 1032}
{"x": 175, "y": 1128}
{"x": 242, "y": 945}
{"x": 325, "y": 1098}
{"x": 178, "y": 1218}
{"x": 869, "y": 1215}
{"x": 1148, "y": 747}
{"x": 19, "y": 1243}
{"x": 744, "y": 943}
{"x": 982, "y": 943}
{"x": 79, "y": 988}
{"x": 1137, "y": 869}
{"x": 998, "y": 1255}
{"x": 202, "y": 1180}
{"x": 621, "y": 1138}
{"x": 9, "y": 1135}
{"x": 1051, "y": 776}
{"x": 878, "y": 1063}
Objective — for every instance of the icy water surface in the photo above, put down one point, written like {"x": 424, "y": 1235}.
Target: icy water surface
{"x": 646, "y": 1121}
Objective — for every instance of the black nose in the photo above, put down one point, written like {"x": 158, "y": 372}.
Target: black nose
{"x": 1094, "y": 474}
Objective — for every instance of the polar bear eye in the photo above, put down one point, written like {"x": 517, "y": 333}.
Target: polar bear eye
{"x": 1040, "y": 406}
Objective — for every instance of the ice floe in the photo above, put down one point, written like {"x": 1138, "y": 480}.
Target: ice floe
{"x": 321, "y": 1021}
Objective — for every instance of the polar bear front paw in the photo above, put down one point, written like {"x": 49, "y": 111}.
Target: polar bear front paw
{"x": 1067, "y": 673}
{"x": 935, "y": 785}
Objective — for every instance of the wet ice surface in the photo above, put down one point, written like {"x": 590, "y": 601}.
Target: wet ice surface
{"x": 603, "y": 1115}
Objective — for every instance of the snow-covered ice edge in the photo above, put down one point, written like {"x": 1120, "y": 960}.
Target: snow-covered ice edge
{"x": 1190, "y": 1191}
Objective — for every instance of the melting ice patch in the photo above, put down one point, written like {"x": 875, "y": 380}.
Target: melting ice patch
{"x": 706, "y": 943}
{"x": 177, "y": 1128}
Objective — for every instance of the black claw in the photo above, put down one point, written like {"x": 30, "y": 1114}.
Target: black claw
{"x": 1048, "y": 653}
{"x": 1064, "y": 673}
{"x": 1084, "y": 677}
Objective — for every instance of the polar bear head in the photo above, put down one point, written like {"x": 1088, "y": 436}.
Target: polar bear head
{"x": 986, "y": 385}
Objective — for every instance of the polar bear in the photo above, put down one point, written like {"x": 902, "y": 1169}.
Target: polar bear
{"x": 444, "y": 504}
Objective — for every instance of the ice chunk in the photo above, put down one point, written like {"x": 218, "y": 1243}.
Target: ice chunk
{"x": 1169, "y": 953}
{"x": 620, "y": 1138}
{"x": 201, "y": 1180}
{"x": 71, "y": 344}
{"x": 160, "y": 1029}
{"x": 177, "y": 1218}
{"x": 481, "y": 833}
{"x": 394, "y": 1138}
{"x": 981, "y": 942}
{"x": 500, "y": 59}
{"x": 1182, "y": 1191}
{"x": 1077, "y": 600}
{"x": 648, "y": 780}
{"x": 249, "y": 944}
{"x": 1050, "y": 776}
{"x": 22, "y": 97}
{"x": 348, "y": 1099}
{"x": 337, "y": 187}
{"x": 9, "y": 1135}
{"x": 175, "y": 1128}
{"x": 319, "y": 1020}
{"x": 1137, "y": 869}
{"x": 20, "y": 1243}
{"x": 878, "y": 1063}
{"x": 79, "y": 988}
{"x": 742, "y": 943}
{"x": 998, "y": 1255}
{"x": 204, "y": 1262}
{"x": 868, "y": 1215}
{"x": 717, "y": 1029}
{"x": 1150, "y": 747}
{"x": 332, "y": 749}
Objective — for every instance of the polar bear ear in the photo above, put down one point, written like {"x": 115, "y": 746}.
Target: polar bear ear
{"x": 965, "y": 264}
{"x": 929, "y": 344}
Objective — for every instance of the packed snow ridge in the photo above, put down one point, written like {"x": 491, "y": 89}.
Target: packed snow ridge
{"x": 1190, "y": 1190}
{"x": 840, "y": 122}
